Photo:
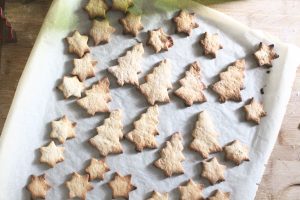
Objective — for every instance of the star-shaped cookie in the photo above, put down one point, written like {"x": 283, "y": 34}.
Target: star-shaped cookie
{"x": 185, "y": 22}
{"x": 79, "y": 186}
{"x": 109, "y": 134}
{"x": 101, "y": 31}
{"x": 219, "y": 195}
{"x": 63, "y": 129}
{"x": 159, "y": 40}
{"x": 211, "y": 44}
{"x": 97, "y": 98}
{"x": 265, "y": 54}
{"x": 121, "y": 186}
{"x": 97, "y": 169}
{"x": 84, "y": 67}
{"x": 213, "y": 171}
{"x": 191, "y": 191}
{"x": 96, "y": 8}
{"x": 78, "y": 44}
{"x": 52, "y": 154}
{"x": 159, "y": 196}
{"x": 122, "y": 5}
{"x": 71, "y": 86}
{"x": 236, "y": 152}
{"x": 131, "y": 24}
{"x": 38, "y": 187}
{"x": 254, "y": 111}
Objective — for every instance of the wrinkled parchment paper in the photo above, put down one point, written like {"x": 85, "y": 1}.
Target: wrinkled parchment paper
{"x": 37, "y": 102}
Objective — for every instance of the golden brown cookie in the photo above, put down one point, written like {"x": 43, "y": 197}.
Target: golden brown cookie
{"x": 131, "y": 24}
{"x": 71, "y": 86}
{"x": 171, "y": 156}
{"x": 236, "y": 152}
{"x": 185, "y": 22}
{"x": 265, "y": 54}
{"x": 84, "y": 67}
{"x": 159, "y": 196}
{"x": 231, "y": 82}
{"x": 210, "y": 44}
{"x": 96, "y": 169}
{"x": 192, "y": 87}
{"x": 219, "y": 195}
{"x": 122, "y": 5}
{"x": 38, "y": 187}
{"x": 63, "y": 129}
{"x": 79, "y": 186}
{"x": 145, "y": 130}
{"x": 121, "y": 186}
{"x": 78, "y": 44}
{"x": 159, "y": 40}
{"x": 254, "y": 111}
{"x": 213, "y": 171}
{"x": 205, "y": 136}
{"x": 191, "y": 191}
{"x": 96, "y": 8}
{"x": 101, "y": 31}
{"x": 97, "y": 98}
{"x": 52, "y": 154}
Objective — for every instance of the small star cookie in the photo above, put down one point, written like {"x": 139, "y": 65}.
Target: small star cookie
{"x": 219, "y": 195}
{"x": 63, "y": 129}
{"x": 192, "y": 87}
{"x": 265, "y": 54}
{"x": 52, "y": 154}
{"x": 96, "y": 8}
{"x": 97, "y": 169}
{"x": 131, "y": 24}
{"x": 78, "y": 44}
{"x": 79, "y": 186}
{"x": 236, "y": 152}
{"x": 122, "y": 5}
{"x": 159, "y": 196}
{"x": 145, "y": 130}
{"x": 121, "y": 186}
{"x": 254, "y": 111}
{"x": 213, "y": 171}
{"x": 71, "y": 86}
{"x": 97, "y": 98}
{"x": 185, "y": 22}
{"x": 171, "y": 156}
{"x": 38, "y": 187}
{"x": 84, "y": 67}
{"x": 129, "y": 66}
{"x": 109, "y": 134}
{"x": 205, "y": 136}
{"x": 159, "y": 40}
{"x": 210, "y": 44}
{"x": 191, "y": 191}
{"x": 158, "y": 83}
{"x": 101, "y": 31}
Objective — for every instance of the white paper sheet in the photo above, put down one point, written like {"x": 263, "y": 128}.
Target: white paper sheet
{"x": 37, "y": 102}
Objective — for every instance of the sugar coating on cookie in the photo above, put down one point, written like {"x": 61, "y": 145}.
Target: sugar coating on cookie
{"x": 159, "y": 40}
{"x": 254, "y": 111}
{"x": 145, "y": 130}
{"x": 97, "y": 98}
{"x": 96, "y": 8}
{"x": 158, "y": 83}
{"x": 129, "y": 66}
{"x": 84, "y": 67}
{"x": 205, "y": 136}
{"x": 96, "y": 169}
{"x": 63, "y": 129}
{"x": 38, "y": 187}
{"x": 192, "y": 87}
{"x": 171, "y": 156}
{"x": 211, "y": 44}
{"x": 79, "y": 186}
{"x": 121, "y": 186}
{"x": 101, "y": 31}
{"x": 159, "y": 196}
{"x": 52, "y": 154}
{"x": 122, "y": 5}
{"x": 131, "y": 24}
{"x": 220, "y": 195}
{"x": 71, "y": 86}
{"x": 191, "y": 191}
{"x": 265, "y": 54}
{"x": 231, "y": 82}
{"x": 236, "y": 152}
{"x": 213, "y": 171}
{"x": 109, "y": 134}
{"x": 185, "y": 22}
{"x": 78, "y": 44}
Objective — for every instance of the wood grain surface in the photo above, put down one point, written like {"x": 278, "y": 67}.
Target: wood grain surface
{"x": 278, "y": 17}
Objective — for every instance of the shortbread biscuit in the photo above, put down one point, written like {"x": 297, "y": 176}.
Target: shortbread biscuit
{"x": 52, "y": 154}
{"x": 71, "y": 86}
{"x": 38, "y": 187}
{"x": 96, "y": 169}
{"x": 210, "y": 44}
{"x": 213, "y": 171}
{"x": 254, "y": 111}
{"x": 185, "y": 22}
{"x": 191, "y": 191}
{"x": 78, "y": 44}
{"x": 101, "y": 31}
{"x": 96, "y": 8}
{"x": 122, "y": 5}
{"x": 265, "y": 54}
{"x": 159, "y": 40}
{"x": 63, "y": 129}
{"x": 131, "y": 24}
{"x": 79, "y": 186}
{"x": 121, "y": 186}
{"x": 159, "y": 196}
{"x": 219, "y": 195}
{"x": 236, "y": 152}
{"x": 84, "y": 67}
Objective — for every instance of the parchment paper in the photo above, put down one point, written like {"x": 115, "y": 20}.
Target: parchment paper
{"x": 37, "y": 102}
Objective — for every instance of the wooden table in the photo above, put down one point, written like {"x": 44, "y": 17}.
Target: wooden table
{"x": 279, "y": 17}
